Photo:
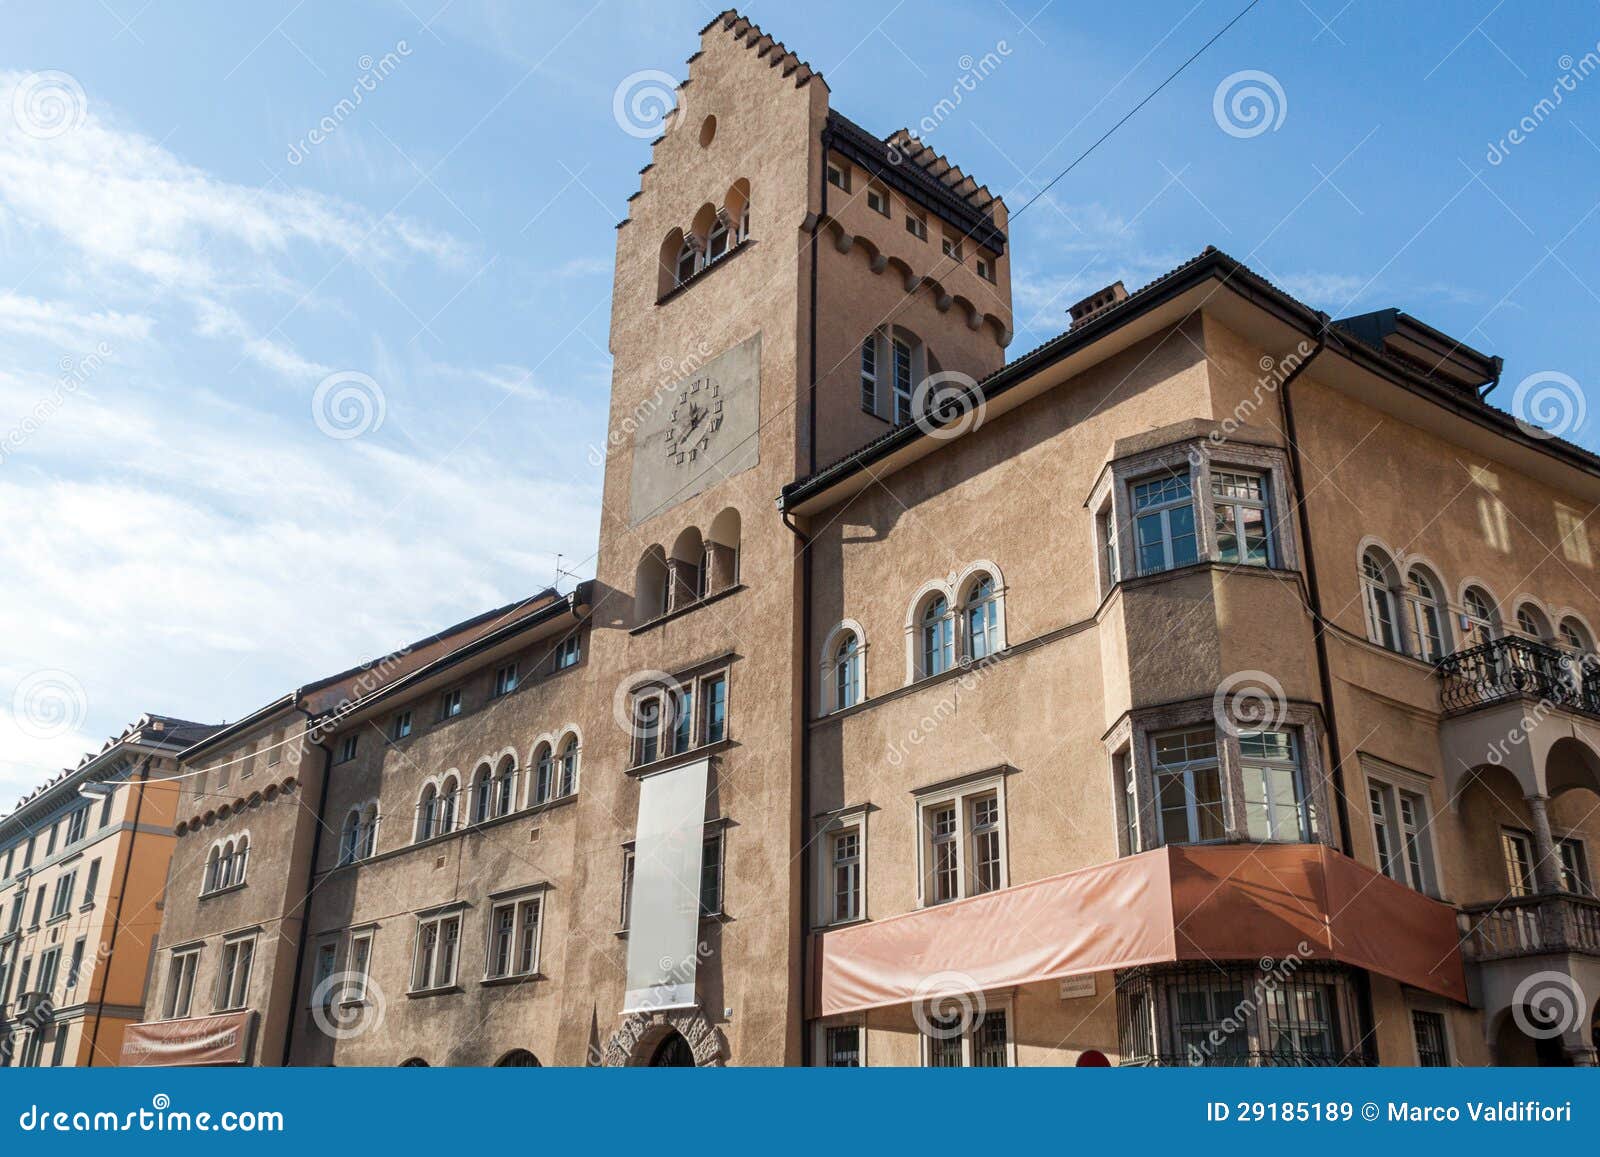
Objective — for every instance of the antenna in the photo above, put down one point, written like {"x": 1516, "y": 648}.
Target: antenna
{"x": 562, "y": 573}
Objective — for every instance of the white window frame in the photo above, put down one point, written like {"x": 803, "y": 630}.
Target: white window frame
{"x": 1428, "y": 642}
{"x": 1580, "y": 866}
{"x": 505, "y": 680}
{"x": 400, "y": 728}
{"x": 878, "y": 200}
{"x": 989, "y": 1002}
{"x": 348, "y": 746}
{"x": 430, "y": 977}
{"x": 1162, "y": 511}
{"x": 960, "y": 796}
{"x": 518, "y": 906}
{"x": 183, "y": 968}
{"x": 450, "y": 704}
{"x": 869, "y": 374}
{"x": 1187, "y": 770}
{"x": 917, "y": 225}
{"x": 1387, "y": 792}
{"x": 363, "y": 973}
{"x": 1529, "y": 884}
{"x": 327, "y": 953}
{"x": 61, "y": 901}
{"x": 839, "y": 175}
{"x": 233, "y": 977}
{"x": 824, "y": 1027}
{"x": 569, "y": 652}
{"x": 1379, "y": 600}
{"x": 828, "y": 686}
{"x": 1234, "y": 504}
{"x": 1265, "y": 767}
{"x": 827, "y": 831}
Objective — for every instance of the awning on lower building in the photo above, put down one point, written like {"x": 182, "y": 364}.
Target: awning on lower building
{"x": 223, "y": 1039}
{"x": 1228, "y": 902}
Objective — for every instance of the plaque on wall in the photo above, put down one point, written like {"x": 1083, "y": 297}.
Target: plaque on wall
{"x": 698, "y": 431}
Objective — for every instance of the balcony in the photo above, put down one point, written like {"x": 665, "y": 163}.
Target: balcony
{"x": 1510, "y": 669}
{"x": 1530, "y": 926}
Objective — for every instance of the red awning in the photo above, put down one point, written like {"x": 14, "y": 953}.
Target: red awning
{"x": 1229, "y": 902}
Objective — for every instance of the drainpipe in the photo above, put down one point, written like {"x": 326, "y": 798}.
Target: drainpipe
{"x": 1313, "y": 590}
{"x": 805, "y": 780}
{"x": 305, "y": 905}
{"x": 811, "y": 393}
{"x": 116, "y": 917}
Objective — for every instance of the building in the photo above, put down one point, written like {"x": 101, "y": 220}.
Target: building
{"x": 1213, "y": 684}
{"x": 83, "y": 865}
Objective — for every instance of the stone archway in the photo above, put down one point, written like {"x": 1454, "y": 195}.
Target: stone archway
{"x": 636, "y": 1041}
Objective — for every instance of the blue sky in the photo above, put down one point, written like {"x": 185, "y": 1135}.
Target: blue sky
{"x": 183, "y": 535}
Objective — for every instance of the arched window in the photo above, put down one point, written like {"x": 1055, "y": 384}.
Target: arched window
{"x": 1575, "y": 637}
{"x": 671, "y": 274}
{"x": 1483, "y": 621}
{"x": 241, "y": 860}
{"x": 543, "y": 774}
{"x": 736, "y": 206}
{"x": 1532, "y": 624}
{"x": 569, "y": 765}
{"x": 449, "y": 793}
{"x": 213, "y": 870}
{"x": 481, "y": 794}
{"x": 722, "y": 552}
{"x": 980, "y": 618}
{"x": 936, "y": 637}
{"x": 710, "y": 232}
{"x": 650, "y": 587}
{"x": 518, "y": 1059}
{"x": 505, "y": 786}
{"x": 414, "y": 1063}
{"x": 368, "y": 845}
{"x": 427, "y": 809}
{"x": 1377, "y": 583}
{"x": 1428, "y": 622}
{"x": 686, "y": 569}
{"x": 845, "y": 672}
{"x": 350, "y": 837}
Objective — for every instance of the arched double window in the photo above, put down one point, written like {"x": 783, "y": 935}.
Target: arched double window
{"x": 961, "y": 622}
{"x": 227, "y": 864}
{"x": 1378, "y": 591}
{"x": 358, "y": 837}
{"x": 436, "y": 808}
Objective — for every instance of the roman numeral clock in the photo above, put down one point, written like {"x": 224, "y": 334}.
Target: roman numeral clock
{"x": 698, "y": 431}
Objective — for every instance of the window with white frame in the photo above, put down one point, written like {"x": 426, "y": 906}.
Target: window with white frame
{"x": 877, "y": 200}
{"x": 1188, "y": 787}
{"x": 1276, "y": 805}
{"x": 901, "y": 363}
{"x": 62, "y": 902}
{"x": 1378, "y": 592}
{"x": 347, "y": 747}
{"x": 957, "y": 1037}
{"x": 181, "y": 972}
{"x": 1400, "y": 835}
{"x": 917, "y": 226}
{"x": 1428, "y": 615}
{"x": 843, "y": 676}
{"x": 1241, "y": 508}
{"x": 77, "y": 823}
{"x": 869, "y": 374}
{"x": 233, "y": 974}
{"x": 950, "y": 246}
{"x": 568, "y": 782}
{"x": 400, "y": 727}
{"x": 1483, "y": 621}
{"x": 1163, "y": 522}
{"x": 980, "y": 618}
{"x": 846, "y": 861}
{"x": 963, "y": 843}
{"x": 1516, "y": 849}
{"x": 570, "y": 651}
{"x": 935, "y": 638}
{"x": 544, "y": 774}
{"x": 839, "y": 175}
{"x": 1532, "y": 624}
{"x": 1126, "y": 778}
{"x": 327, "y": 963}
{"x": 514, "y": 938}
{"x": 358, "y": 964}
{"x": 674, "y": 719}
{"x": 480, "y": 794}
{"x": 450, "y": 704}
{"x": 985, "y": 267}
{"x": 505, "y": 679}
{"x": 437, "y": 952}
{"x": 841, "y": 1046}
{"x": 1574, "y": 867}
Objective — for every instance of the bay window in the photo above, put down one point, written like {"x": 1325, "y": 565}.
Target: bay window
{"x": 1188, "y": 787}
{"x": 1240, "y": 509}
{"x": 1274, "y": 790}
{"x": 1163, "y": 519}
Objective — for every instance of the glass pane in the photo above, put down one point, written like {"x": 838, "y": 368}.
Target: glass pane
{"x": 1184, "y": 550}
{"x": 1227, "y": 540}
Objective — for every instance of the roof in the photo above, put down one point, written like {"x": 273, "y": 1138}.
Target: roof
{"x": 1208, "y": 264}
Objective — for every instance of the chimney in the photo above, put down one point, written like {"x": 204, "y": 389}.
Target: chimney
{"x": 1097, "y": 303}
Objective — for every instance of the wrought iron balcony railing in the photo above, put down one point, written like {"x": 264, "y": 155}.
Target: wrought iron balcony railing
{"x": 1530, "y": 925}
{"x": 1513, "y": 668}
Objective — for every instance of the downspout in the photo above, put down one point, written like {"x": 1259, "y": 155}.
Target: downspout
{"x": 305, "y": 905}
{"x": 805, "y": 780}
{"x": 1313, "y": 590}
{"x": 811, "y": 372}
{"x": 116, "y": 917}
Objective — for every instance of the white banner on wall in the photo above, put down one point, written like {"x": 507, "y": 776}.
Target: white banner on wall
{"x": 664, "y": 910}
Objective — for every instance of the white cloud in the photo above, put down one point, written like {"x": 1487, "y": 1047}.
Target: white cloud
{"x": 68, "y": 325}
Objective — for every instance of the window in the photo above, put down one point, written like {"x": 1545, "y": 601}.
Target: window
{"x": 1127, "y": 779}
{"x": 543, "y": 774}
{"x": 1188, "y": 787}
{"x": 50, "y": 847}
{"x": 514, "y": 939}
{"x": 985, "y": 268}
{"x": 687, "y": 262}
{"x": 347, "y": 748}
{"x": 627, "y": 887}
{"x": 358, "y": 838}
{"x": 901, "y": 354}
{"x": 75, "y": 966}
{"x": 226, "y": 865}
{"x": 877, "y": 200}
{"x": 843, "y": 674}
{"x": 38, "y": 907}
{"x": 1517, "y": 850}
{"x": 845, "y": 861}
{"x": 505, "y": 679}
{"x": 1427, "y": 1030}
{"x": 842, "y": 1046}
{"x": 1239, "y": 505}
{"x": 1574, "y": 867}
{"x": 869, "y": 373}
{"x": 438, "y": 942}
{"x": 711, "y": 876}
{"x": 327, "y": 963}
{"x": 981, "y": 619}
{"x": 951, "y": 247}
{"x": 960, "y": 1039}
{"x": 1483, "y": 621}
{"x": 233, "y": 977}
{"x": 682, "y": 718}
{"x": 917, "y": 226}
{"x": 1163, "y": 518}
{"x": 105, "y": 815}
{"x": 1378, "y": 588}
{"x": 77, "y": 823}
{"x": 481, "y": 794}
{"x": 1275, "y": 803}
{"x": 838, "y": 176}
{"x": 180, "y": 984}
{"x": 570, "y": 651}
{"x": 670, "y": 720}
{"x": 1400, "y": 835}
{"x": 505, "y": 787}
{"x": 714, "y": 697}
{"x": 49, "y": 965}
{"x": 647, "y": 729}
{"x": 63, "y": 898}
{"x": 936, "y": 638}
{"x": 358, "y": 964}
{"x": 1530, "y": 622}
{"x": 1427, "y": 616}
{"x": 90, "y": 883}
{"x": 963, "y": 845}
{"x": 275, "y": 749}
{"x": 450, "y": 704}
{"x": 717, "y": 239}
{"x": 1209, "y": 1023}
{"x": 569, "y": 766}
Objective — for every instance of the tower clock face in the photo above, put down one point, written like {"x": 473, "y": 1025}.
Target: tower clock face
{"x": 696, "y": 418}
